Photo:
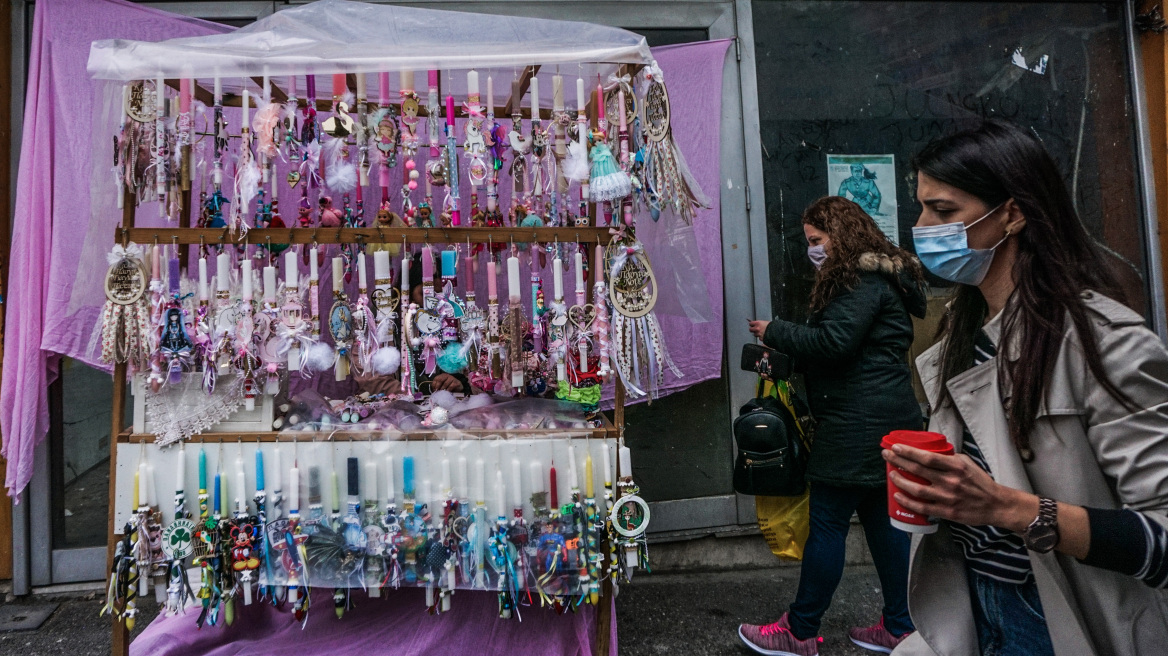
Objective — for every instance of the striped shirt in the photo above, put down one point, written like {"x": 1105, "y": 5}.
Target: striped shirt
{"x": 1121, "y": 540}
{"x": 990, "y": 551}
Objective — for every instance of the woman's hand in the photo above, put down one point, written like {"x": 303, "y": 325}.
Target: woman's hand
{"x": 960, "y": 491}
{"x": 446, "y": 382}
{"x": 758, "y": 327}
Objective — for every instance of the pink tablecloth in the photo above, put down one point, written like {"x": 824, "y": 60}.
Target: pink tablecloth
{"x": 397, "y": 623}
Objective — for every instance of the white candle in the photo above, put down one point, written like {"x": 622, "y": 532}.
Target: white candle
{"x": 269, "y": 283}
{"x": 626, "y": 461}
{"x": 245, "y": 267}
{"x": 490, "y": 94}
{"x": 516, "y": 487}
{"x": 291, "y": 270}
{"x": 181, "y": 476}
{"x": 246, "y": 104}
{"x": 579, "y": 271}
{"x": 580, "y": 102}
{"x": 218, "y": 91}
{"x": 558, "y": 93}
{"x": 573, "y": 479}
{"x": 500, "y": 499}
{"x": 536, "y": 477}
{"x": 558, "y": 278}
{"x": 294, "y": 489}
{"x": 405, "y": 281}
{"x": 424, "y": 492}
{"x": 381, "y": 265}
{"x": 150, "y": 498}
{"x": 204, "y": 288}
{"x": 370, "y": 479}
{"x": 390, "y": 493}
{"x": 463, "y": 478}
{"x": 446, "y": 490}
{"x": 606, "y": 467}
{"x": 313, "y": 265}
{"x": 361, "y": 86}
{"x": 513, "y": 290}
{"x": 472, "y": 83}
{"x": 223, "y": 271}
{"x": 277, "y": 471}
{"x": 407, "y": 80}
{"x": 361, "y": 272}
{"x": 241, "y": 486}
{"x": 480, "y": 481}
{"x": 338, "y": 274}
{"x": 534, "y": 97}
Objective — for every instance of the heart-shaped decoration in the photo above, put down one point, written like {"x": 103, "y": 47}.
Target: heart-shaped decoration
{"x": 293, "y": 178}
{"x": 582, "y": 316}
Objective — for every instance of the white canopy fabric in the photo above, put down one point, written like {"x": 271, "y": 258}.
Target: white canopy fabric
{"x": 339, "y": 36}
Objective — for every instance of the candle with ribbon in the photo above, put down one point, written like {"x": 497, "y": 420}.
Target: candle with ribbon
{"x": 515, "y": 323}
{"x": 452, "y": 163}
{"x": 559, "y": 319}
{"x": 291, "y": 311}
{"x": 600, "y": 300}
{"x": 340, "y": 320}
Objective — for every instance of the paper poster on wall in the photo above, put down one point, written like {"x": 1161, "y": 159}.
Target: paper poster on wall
{"x": 870, "y": 181}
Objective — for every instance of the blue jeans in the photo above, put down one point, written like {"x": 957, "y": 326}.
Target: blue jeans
{"x": 1009, "y": 617}
{"x": 823, "y": 558}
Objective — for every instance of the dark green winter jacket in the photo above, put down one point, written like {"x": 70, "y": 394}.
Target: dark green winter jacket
{"x": 854, "y": 358}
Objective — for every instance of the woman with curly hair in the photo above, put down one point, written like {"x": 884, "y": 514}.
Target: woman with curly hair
{"x": 853, "y": 353}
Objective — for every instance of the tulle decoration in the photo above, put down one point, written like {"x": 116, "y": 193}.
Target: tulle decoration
{"x": 340, "y": 174}
{"x": 318, "y": 357}
{"x": 452, "y": 359}
{"x": 386, "y": 360}
{"x": 576, "y": 165}
{"x": 264, "y": 126}
{"x": 608, "y": 181}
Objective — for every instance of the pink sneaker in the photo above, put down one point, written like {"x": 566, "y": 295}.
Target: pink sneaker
{"x": 876, "y": 638}
{"x": 776, "y": 639}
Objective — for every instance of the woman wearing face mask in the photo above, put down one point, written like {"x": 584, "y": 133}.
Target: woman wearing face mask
{"x": 1055, "y": 511}
{"x": 853, "y": 353}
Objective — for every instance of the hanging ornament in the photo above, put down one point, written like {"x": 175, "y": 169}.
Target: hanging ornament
{"x": 125, "y": 332}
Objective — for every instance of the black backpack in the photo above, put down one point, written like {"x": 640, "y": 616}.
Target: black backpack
{"x": 772, "y": 453}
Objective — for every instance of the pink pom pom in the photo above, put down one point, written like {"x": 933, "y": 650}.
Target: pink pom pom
{"x": 410, "y": 165}
{"x": 413, "y": 185}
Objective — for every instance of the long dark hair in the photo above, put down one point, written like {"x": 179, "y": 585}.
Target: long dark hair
{"x": 1057, "y": 260}
{"x": 853, "y": 233}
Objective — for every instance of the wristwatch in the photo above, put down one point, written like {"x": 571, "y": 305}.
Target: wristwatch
{"x": 1042, "y": 535}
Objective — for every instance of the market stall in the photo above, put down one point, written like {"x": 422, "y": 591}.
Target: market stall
{"x": 439, "y": 442}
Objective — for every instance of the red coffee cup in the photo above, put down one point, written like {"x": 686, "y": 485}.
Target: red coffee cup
{"x": 906, "y": 520}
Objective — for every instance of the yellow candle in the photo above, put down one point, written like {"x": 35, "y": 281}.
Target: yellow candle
{"x": 588, "y": 476}
{"x": 134, "y": 500}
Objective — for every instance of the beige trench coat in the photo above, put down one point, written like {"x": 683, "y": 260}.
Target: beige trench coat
{"x": 1089, "y": 451}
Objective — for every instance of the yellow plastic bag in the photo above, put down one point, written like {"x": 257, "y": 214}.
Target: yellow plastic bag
{"x": 784, "y": 521}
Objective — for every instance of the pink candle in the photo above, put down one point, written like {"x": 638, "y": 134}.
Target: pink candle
{"x": 620, "y": 102}
{"x": 383, "y": 89}
{"x": 184, "y": 95}
{"x": 598, "y": 262}
{"x": 339, "y": 85}
{"x": 492, "y": 283}
{"x": 468, "y": 268}
{"x": 432, "y": 78}
{"x": 155, "y": 264}
{"x": 599, "y": 102}
{"x": 450, "y": 111}
{"x": 427, "y": 264}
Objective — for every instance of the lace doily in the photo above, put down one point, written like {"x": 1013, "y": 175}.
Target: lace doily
{"x": 184, "y": 409}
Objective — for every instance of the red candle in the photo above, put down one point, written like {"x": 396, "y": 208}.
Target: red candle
{"x": 339, "y": 85}
{"x": 468, "y": 268}
{"x": 554, "y": 497}
{"x": 184, "y": 95}
{"x": 599, "y": 102}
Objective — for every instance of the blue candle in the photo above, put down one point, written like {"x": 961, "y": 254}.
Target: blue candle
{"x": 259, "y": 469}
{"x": 408, "y": 476}
{"x": 202, "y": 469}
{"x": 449, "y": 262}
{"x": 217, "y": 500}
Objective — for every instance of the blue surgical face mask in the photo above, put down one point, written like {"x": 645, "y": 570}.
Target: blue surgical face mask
{"x": 817, "y": 255}
{"x": 944, "y": 250}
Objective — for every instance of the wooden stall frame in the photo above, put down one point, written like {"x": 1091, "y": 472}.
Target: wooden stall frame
{"x": 184, "y": 236}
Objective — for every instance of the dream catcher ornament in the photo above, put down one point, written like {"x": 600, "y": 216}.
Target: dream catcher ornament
{"x": 638, "y": 344}
{"x": 125, "y": 320}
{"x": 667, "y": 174}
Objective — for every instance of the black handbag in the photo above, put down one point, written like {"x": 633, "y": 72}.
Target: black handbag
{"x": 771, "y": 437}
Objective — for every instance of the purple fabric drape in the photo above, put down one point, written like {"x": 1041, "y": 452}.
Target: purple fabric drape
{"x": 52, "y": 206}
{"x": 395, "y": 623}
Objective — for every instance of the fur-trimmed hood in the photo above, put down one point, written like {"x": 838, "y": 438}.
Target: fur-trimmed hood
{"x": 893, "y": 268}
